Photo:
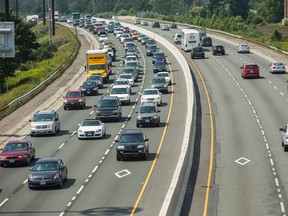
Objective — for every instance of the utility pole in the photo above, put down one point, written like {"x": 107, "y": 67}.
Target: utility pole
{"x": 7, "y": 17}
{"x": 44, "y": 12}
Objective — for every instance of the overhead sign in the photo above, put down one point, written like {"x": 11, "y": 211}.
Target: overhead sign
{"x": 7, "y": 40}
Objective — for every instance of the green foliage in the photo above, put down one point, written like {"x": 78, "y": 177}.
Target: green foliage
{"x": 276, "y": 35}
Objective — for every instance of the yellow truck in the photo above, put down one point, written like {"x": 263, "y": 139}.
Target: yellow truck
{"x": 97, "y": 63}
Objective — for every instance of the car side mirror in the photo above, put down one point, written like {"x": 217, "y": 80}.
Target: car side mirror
{"x": 79, "y": 125}
{"x": 241, "y": 67}
{"x": 116, "y": 141}
{"x": 29, "y": 120}
{"x": 282, "y": 129}
{"x": 95, "y": 106}
{"x": 159, "y": 110}
{"x": 30, "y": 168}
{"x": 146, "y": 140}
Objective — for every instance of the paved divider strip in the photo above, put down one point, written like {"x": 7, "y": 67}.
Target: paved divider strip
{"x": 175, "y": 194}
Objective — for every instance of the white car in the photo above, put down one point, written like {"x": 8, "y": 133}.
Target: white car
{"x": 119, "y": 34}
{"x": 129, "y": 77}
{"x": 103, "y": 38}
{"x": 122, "y": 92}
{"x": 123, "y": 82}
{"x": 151, "y": 95}
{"x": 243, "y": 48}
{"x": 166, "y": 75}
{"x": 124, "y": 36}
{"x": 91, "y": 128}
{"x": 131, "y": 58}
{"x": 277, "y": 67}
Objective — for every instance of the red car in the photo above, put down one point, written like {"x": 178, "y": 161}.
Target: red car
{"x": 250, "y": 70}
{"x": 17, "y": 152}
{"x": 74, "y": 98}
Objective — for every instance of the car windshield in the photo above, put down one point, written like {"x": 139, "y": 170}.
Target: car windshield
{"x": 126, "y": 76}
{"x": 128, "y": 70}
{"x": 91, "y": 123}
{"x": 150, "y": 92}
{"x": 147, "y": 109}
{"x": 128, "y": 138}
{"x": 162, "y": 75}
{"x": 121, "y": 82}
{"x": 96, "y": 67}
{"x": 158, "y": 81}
{"x": 15, "y": 147}
{"x": 119, "y": 91}
{"x": 42, "y": 117}
{"x": 278, "y": 64}
{"x": 45, "y": 166}
{"x": 131, "y": 64}
{"x": 89, "y": 84}
{"x": 107, "y": 103}
{"x": 198, "y": 49}
{"x": 159, "y": 55}
{"x": 159, "y": 64}
{"x": 73, "y": 94}
{"x": 94, "y": 78}
{"x": 152, "y": 47}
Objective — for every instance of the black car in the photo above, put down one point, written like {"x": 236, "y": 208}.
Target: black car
{"x": 89, "y": 87}
{"x": 47, "y": 172}
{"x": 132, "y": 143}
{"x": 173, "y": 25}
{"x": 150, "y": 42}
{"x": 197, "y": 52}
{"x": 143, "y": 40}
{"x": 159, "y": 66}
{"x": 148, "y": 114}
{"x": 158, "y": 56}
{"x": 151, "y": 49}
{"x": 97, "y": 78}
{"x": 155, "y": 25}
{"x": 218, "y": 49}
{"x": 109, "y": 108}
{"x": 206, "y": 42}
{"x": 101, "y": 31}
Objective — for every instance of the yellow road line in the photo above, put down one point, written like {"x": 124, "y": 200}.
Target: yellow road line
{"x": 159, "y": 148}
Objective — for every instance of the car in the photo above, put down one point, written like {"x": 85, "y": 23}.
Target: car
{"x": 143, "y": 40}
{"x": 206, "y": 42}
{"x": 117, "y": 30}
{"x": 134, "y": 64}
{"x": 47, "y": 172}
{"x": 89, "y": 87}
{"x": 98, "y": 79}
{"x": 44, "y": 122}
{"x": 277, "y": 67}
{"x": 218, "y": 49}
{"x": 126, "y": 29}
{"x": 159, "y": 66}
{"x": 101, "y": 31}
{"x": 132, "y": 52}
{"x": 124, "y": 36}
{"x": 165, "y": 27}
{"x": 173, "y": 25}
{"x": 132, "y": 143}
{"x": 134, "y": 34}
{"x": 144, "y": 23}
{"x": 177, "y": 38}
{"x": 151, "y": 49}
{"x": 131, "y": 70}
{"x": 119, "y": 34}
{"x": 148, "y": 114}
{"x": 151, "y": 95}
{"x": 130, "y": 45}
{"x": 122, "y": 92}
{"x": 137, "y": 22}
{"x": 91, "y": 128}
{"x": 123, "y": 82}
{"x": 110, "y": 29}
{"x": 250, "y": 70}
{"x": 103, "y": 37}
{"x": 140, "y": 37}
{"x": 88, "y": 23}
{"x": 158, "y": 56}
{"x": 155, "y": 25}
{"x": 127, "y": 40}
{"x": 131, "y": 58}
{"x": 111, "y": 53}
{"x": 150, "y": 42}
{"x": 129, "y": 77}
{"x": 166, "y": 75}
{"x": 108, "y": 108}
{"x": 17, "y": 152}
{"x": 284, "y": 137}
{"x": 197, "y": 52}
{"x": 74, "y": 98}
{"x": 243, "y": 48}
{"x": 160, "y": 84}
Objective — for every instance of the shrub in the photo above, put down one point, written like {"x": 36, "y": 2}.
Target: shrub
{"x": 276, "y": 35}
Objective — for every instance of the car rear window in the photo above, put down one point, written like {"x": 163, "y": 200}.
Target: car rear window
{"x": 251, "y": 67}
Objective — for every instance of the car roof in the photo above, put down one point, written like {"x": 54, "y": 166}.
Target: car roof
{"x": 148, "y": 104}
{"x": 132, "y": 131}
{"x": 45, "y": 111}
{"x": 16, "y": 141}
{"x": 41, "y": 160}
{"x": 109, "y": 98}
{"x": 74, "y": 90}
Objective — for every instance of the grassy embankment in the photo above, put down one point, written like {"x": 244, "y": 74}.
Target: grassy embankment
{"x": 25, "y": 80}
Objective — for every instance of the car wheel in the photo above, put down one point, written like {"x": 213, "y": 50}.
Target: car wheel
{"x": 65, "y": 108}
{"x": 30, "y": 187}
{"x": 1, "y": 165}
{"x": 118, "y": 158}
{"x": 138, "y": 125}
{"x": 286, "y": 148}
{"x": 28, "y": 161}
{"x": 31, "y": 134}
{"x": 33, "y": 158}
{"x": 60, "y": 183}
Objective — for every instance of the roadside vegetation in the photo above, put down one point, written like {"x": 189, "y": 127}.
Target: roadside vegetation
{"x": 36, "y": 59}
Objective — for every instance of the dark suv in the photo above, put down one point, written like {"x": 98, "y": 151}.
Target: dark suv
{"x": 155, "y": 25}
{"x": 148, "y": 114}
{"x": 109, "y": 108}
{"x": 206, "y": 42}
{"x": 197, "y": 52}
{"x": 218, "y": 49}
{"x": 158, "y": 56}
{"x": 74, "y": 98}
{"x": 132, "y": 143}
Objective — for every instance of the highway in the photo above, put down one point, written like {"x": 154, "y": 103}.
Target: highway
{"x": 243, "y": 151}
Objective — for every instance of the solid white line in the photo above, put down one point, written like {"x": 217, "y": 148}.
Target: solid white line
{"x": 4, "y": 202}
{"x": 81, "y": 188}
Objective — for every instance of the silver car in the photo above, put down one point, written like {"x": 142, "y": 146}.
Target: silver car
{"x": 284, "y": 137}
{"x": 277, "y": 67}
{"x": 45, "y": 122}
{"x": 148, "y": 114}
{"x": 243, "y": 48}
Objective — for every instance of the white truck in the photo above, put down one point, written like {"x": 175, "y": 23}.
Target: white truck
{"x": 32, "y": 18}
{"x": 56, "y": 16}
{"x": 190, "y": 38}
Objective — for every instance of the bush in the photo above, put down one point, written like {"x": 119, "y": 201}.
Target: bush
{"x": 276, "y": 35}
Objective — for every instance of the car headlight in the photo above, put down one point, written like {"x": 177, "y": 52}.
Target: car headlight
{"x": 94, "y": 89}
{"x": 286, "y": 139}
{"x": 98, "y": 112}
{"x": 98, "y": 130}
{"x": 30, "y": 177}
{"x": 80, "y": 100}
{"x": 155, "y": 117}
{"x": 65, "y": 101}
{"x": 23, "y": 156}
{"x": 120, "y": 147}
{"x": 139, "y": 117}
{"x": 80, "y": 131}
{"x": 141, "y": 146}
{"x": 115, "y": 111}
{"x": 165, "y": 85}
{"x": 2, "y": 157}
{"x": 56, "y": 176}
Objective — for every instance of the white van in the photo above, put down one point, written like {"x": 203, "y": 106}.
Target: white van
{"x": 190, "y": 38}
{"x": 177, "y": 38}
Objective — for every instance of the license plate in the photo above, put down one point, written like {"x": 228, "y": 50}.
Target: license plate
{"x": 251, "y": 71}
{"x": 72, "y": 103}
{"x": 11, "y": 161}
{"x": 88, "y": 92}
{"x": 42, "y": 183}
{"x": 147, "y": 121}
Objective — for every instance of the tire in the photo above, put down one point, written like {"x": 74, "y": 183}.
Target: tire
{"x": 137, "y": 125}
{"x": 285, "y": 148}
{"x": 65, "y": 108}
{"x": 28, "y": 161}
{"x": 33, "y": 158}
{"x": 118, "y": 158}
{"x": 61, "y": 183}
{"x": 30, "y": 187}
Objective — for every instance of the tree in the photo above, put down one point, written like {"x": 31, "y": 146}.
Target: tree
{"x": 272, "y": 10}
{"x": 239, "y": 8}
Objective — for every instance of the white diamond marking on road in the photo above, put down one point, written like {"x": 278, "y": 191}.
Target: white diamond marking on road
{"x": 122, "y": 173}
{"x": 242, "y": 161}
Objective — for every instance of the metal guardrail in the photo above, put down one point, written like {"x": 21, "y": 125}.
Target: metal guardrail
{"x": 43, "y": 83}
